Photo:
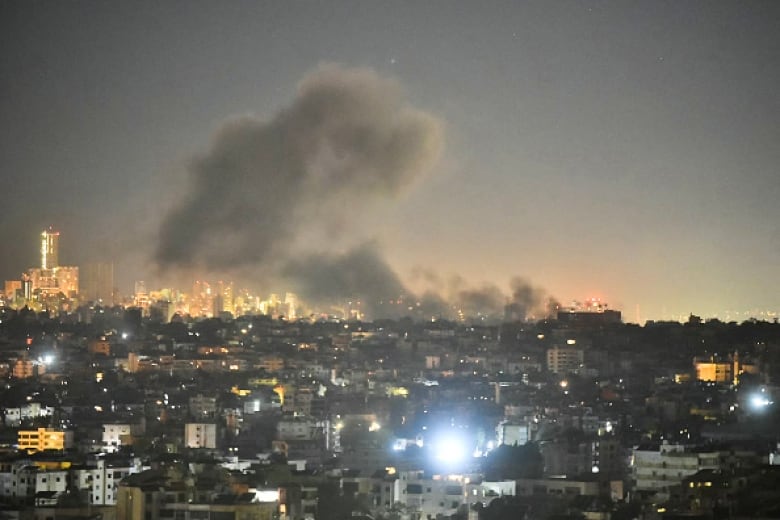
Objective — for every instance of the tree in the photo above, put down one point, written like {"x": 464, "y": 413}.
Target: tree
{"x": 514, "y": 462}
{"x": 504, "y": 508}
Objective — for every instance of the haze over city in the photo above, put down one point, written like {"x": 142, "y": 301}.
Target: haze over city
{"x": 626, "y": 151}
{"x": 389, "y": 260}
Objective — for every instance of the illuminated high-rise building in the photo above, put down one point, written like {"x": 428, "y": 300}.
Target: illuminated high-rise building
{"x": 67, "y": 280}
{"x": 140, "y": 295}
{"x": 50, "y": 242}
{"x": 51, "y": 279}
{"x": 27, "y": 287}
{"x": 202, "y": 299}
{"x": 273, "y": 305}
{"x": 291, "y": 301}
{"x": 225, "y": 292}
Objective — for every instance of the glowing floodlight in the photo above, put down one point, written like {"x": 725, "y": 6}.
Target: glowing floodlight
{"x": 450, "y": 449}
{"x": 759, "y": 401}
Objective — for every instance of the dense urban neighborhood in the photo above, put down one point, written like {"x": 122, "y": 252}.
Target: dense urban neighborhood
{"x": 389, "y": 260}
{"x": 119, "y": 413}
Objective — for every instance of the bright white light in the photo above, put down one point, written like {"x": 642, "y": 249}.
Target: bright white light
{"x": 758, "y": 401}
{"x": 374, "y": 426}
{"x": 267, "y": 495}
{"x": 124, "y": 335}
{"x": 450, "y": 449}
{"x": 48, "y": 359}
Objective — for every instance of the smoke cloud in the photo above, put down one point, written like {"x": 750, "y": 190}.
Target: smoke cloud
{"x": 360, "y": 275}
{"x": 455, "y": 297}
{"x": 524, "y": 301}
{"x": 348, "y": 139}
{"x": 528, "y": 301}
{"x": 487, "y": 300}
{"x": 266, "y": 187}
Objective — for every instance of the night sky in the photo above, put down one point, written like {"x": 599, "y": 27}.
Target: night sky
{"x": 621, "y": 150}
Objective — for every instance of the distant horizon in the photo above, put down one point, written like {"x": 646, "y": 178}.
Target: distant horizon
{"x": 124, "y": 294}
{"x": 620, "y": 150}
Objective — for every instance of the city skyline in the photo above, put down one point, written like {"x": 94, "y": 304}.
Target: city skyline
{"x": 213, "y": 298}
{"x": 625, "y": 151}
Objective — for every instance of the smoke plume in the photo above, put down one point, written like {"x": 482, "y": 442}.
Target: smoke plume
{"x": 348, "y": 139}
{"x": 455, "y": 297}
{"x": 266, "y": 187}
{"x": 487, "y": 300}
{"x": 360, "y": 275}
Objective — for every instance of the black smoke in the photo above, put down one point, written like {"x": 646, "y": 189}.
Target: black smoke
{"x": 347, "y": 140}
{"x": 277, "y": 197}
{"x": 454, "y": 297}
{"x": 529, "y": 302}
{"x": 360, "y": 276}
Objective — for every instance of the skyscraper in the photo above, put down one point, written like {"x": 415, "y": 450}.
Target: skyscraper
{"x": 50, "y": 249}
{"x": 52, "y": 279}
{"x": 225, "y": 292}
